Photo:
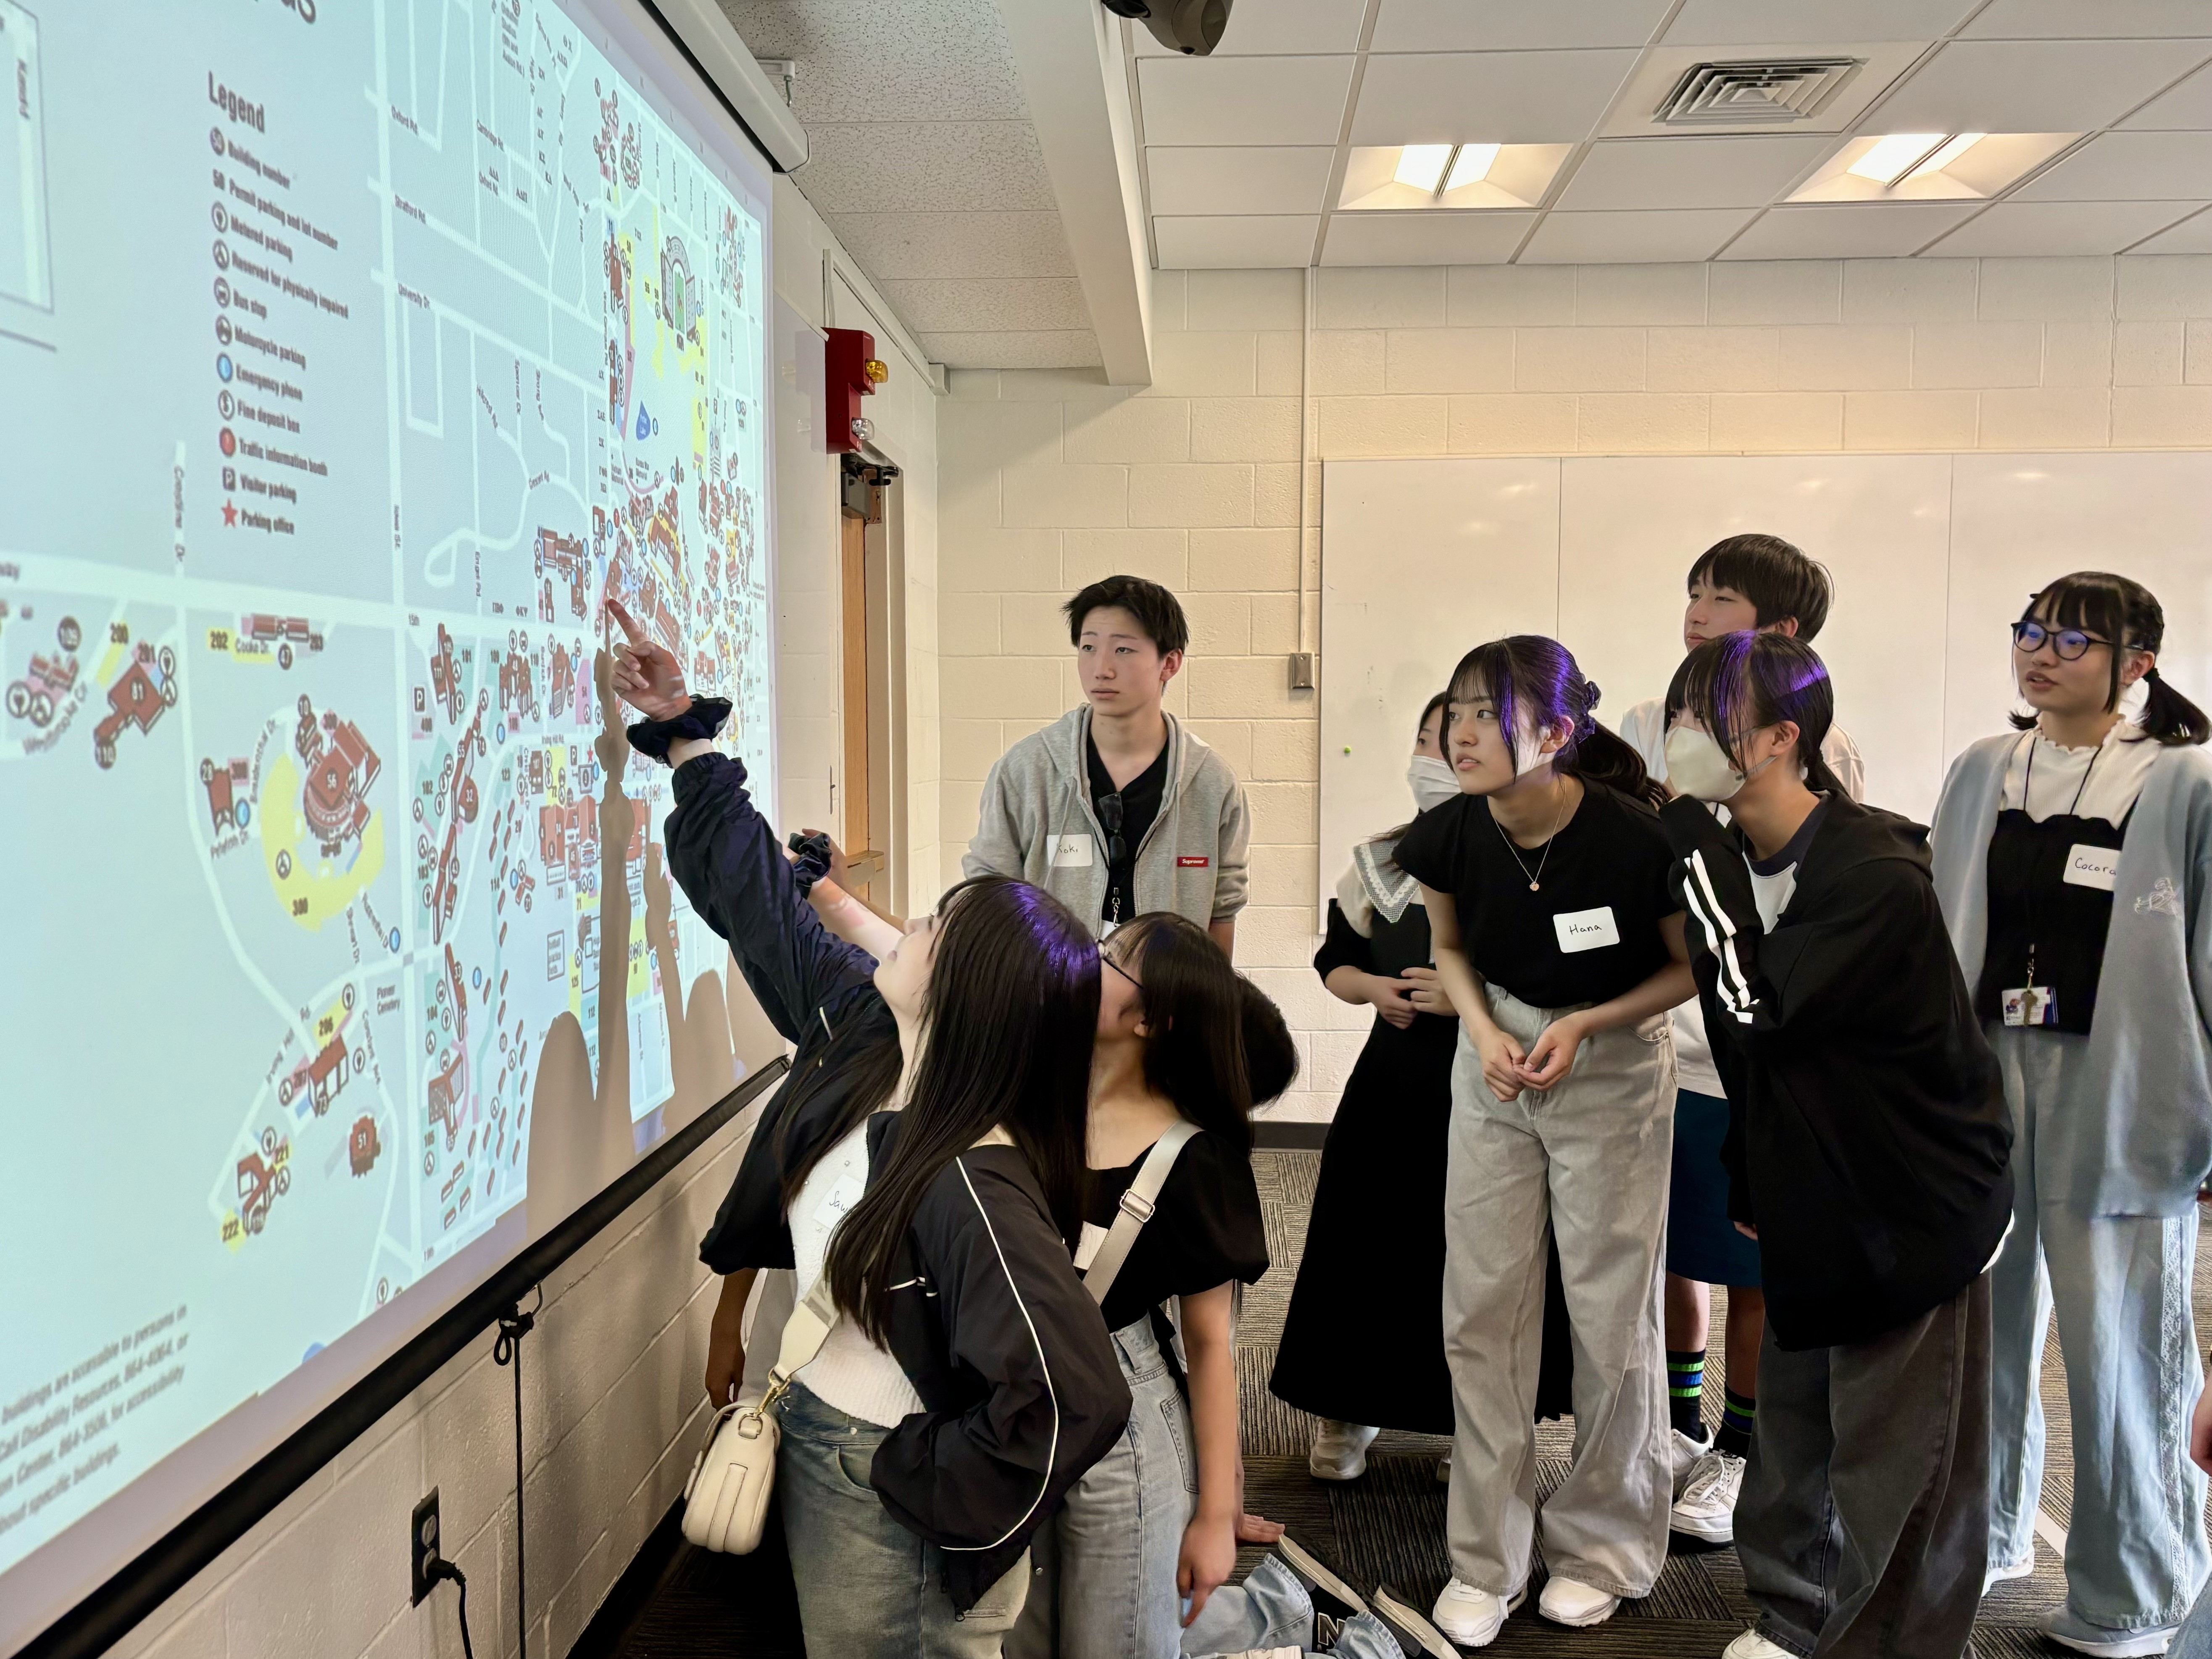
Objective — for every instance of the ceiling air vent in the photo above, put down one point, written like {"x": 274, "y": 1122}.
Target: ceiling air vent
{"x": 1764, "y": 89}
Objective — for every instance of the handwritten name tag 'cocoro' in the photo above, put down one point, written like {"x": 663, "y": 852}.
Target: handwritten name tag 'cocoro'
{"x": 1586, "y": 930}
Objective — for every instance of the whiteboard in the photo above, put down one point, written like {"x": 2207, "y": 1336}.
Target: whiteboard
{"x": 1933, "y": 557}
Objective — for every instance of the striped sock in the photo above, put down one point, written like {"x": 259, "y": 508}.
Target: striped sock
{"x": 1738, "y": 1412}
{"x": 1686, "y": 1391}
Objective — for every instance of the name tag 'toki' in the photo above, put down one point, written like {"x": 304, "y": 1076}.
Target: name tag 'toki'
{"x": 1071, "y": 852}
{"x": 1586, "y": 930}
{"x": 2093, "y": 866}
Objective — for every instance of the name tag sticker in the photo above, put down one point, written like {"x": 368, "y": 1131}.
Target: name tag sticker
{"x": 1071, "y": 852}
{"x": 1087, "y": 1247}
{"x": 2094, "y": 866}
{"x": 842, "y": 1197}
{"x": 1586, "y": 930}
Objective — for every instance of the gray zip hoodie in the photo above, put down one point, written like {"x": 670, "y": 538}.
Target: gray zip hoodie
{"x": 1036, "y": 823}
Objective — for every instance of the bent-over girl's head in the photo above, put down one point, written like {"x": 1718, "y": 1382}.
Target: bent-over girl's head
{"x": 1740, "y": 684}
{"x": 2087, "y": 638}
{"x": 1003, "y": 985}
{"x": 1213, "y": 1044}
{"x": 1520, "y": 703}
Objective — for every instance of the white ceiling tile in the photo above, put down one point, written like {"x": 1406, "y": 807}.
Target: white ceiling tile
{"x": 1883, "y": 231}
{"x": 2187, "y": 108}
{"x": 2190, "y": 236}
{"x": 1423, "y": 239}
{"x": 1783, "y": 22}
{"x": 1243, "y": 100}
{"x": 970, "y": 305}
{"x": 884, "y": 166}
{"x": 1495, "y": 97}
{"x": 1235, "y": 242}
{"x": 1000, "y": 348}
{"x": 1651, "y": 237}
{"x": 921, "y": 60}
{"x": 1689, "y": 172}
{"x": 1222, "y": 178}
{"x": 2013, "y": 229}
{"x": 978, "y": 244}
{"x": 1661, "y": 67}
{"x": 1268, "y": 26}
{"x": 2129, "y": 166}
{"x": 2034, "y": 86}
{"x": 2088, "y": 19}
{"x": 1513, "y": 25}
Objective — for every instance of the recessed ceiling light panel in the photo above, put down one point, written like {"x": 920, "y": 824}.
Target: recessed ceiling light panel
{"x": 1930, "y": 166}
{"x": 1383, "y": 178}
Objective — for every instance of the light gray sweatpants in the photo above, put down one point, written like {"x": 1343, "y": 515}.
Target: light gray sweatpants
{"x": 1591, "y": 1159}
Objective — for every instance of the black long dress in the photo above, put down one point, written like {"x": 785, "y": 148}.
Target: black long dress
{"x": 1363, "y": 1340}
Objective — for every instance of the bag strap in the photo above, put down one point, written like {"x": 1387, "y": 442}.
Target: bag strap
{"x": 804, "y": 1333}
{"x": 1136, "y": 1209}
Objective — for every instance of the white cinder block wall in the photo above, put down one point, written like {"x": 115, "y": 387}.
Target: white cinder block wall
{"x": 1049, "y": 479}
{"x": 613, "y": 1407}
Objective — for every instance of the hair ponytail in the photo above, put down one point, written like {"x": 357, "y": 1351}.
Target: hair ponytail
{"x": 2120, "y": 609}
{"x": 1541, "y": 673}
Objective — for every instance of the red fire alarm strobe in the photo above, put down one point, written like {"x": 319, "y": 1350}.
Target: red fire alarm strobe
{"x": 851, "y": 371}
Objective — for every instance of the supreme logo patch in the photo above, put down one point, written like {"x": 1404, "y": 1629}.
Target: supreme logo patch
{"x": 1191, "y": 863}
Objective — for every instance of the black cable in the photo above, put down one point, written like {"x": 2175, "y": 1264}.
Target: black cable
{"x": 513, "y": 1326}
{"x": 442, "y": 1568}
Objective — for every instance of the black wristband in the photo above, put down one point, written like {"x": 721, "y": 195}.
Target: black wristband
{"x": 812, "y": 863}
{"x": 704, "y": 720}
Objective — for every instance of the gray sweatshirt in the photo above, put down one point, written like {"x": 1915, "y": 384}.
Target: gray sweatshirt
{"x": 1036, "y": 823}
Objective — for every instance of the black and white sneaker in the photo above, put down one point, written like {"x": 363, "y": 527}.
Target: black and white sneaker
{"x": 1330, "y": 1593}
{"x": 1412, "y": 1628}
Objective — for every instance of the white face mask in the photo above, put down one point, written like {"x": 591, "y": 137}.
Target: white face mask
{"x": 1432, "y": 781}
{"x": 1698, "y": 767}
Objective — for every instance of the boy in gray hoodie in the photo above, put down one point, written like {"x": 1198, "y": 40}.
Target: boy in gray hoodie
{"x": 1118, "y": 808}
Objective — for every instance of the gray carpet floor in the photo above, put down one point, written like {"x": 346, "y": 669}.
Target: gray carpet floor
{"x": 1388, "y": 1526}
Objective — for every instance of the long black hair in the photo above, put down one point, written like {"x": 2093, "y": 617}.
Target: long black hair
{"x": 1537, "y": 673}
{"x": 1006, "y": 1028}
{"x": 1210, "y": 1045}
{"x": 2127, "y": 613}
{"x": 1735, "y": 683}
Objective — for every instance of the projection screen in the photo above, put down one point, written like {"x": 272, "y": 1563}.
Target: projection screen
{"x": 354, "y": 353}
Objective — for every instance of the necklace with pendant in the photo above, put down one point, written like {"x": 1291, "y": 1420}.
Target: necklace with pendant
{"x": 1535, "y": 879}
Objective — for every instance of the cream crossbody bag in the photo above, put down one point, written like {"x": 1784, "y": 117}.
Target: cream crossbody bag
{"x": 725, "y": 1499}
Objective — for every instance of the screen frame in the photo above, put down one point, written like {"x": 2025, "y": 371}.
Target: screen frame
{"x": 90, "y": 1604}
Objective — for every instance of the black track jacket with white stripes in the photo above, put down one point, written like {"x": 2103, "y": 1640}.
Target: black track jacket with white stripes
{"x": 1869, "y": 1138}
{"x": 1020, "y": 1389}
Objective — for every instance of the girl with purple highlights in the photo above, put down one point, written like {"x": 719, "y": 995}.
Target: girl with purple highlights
{"x": 1545, "y": 884}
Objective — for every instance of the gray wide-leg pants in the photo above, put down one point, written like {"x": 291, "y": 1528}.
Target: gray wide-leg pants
{"x": 1589, "y": 1160}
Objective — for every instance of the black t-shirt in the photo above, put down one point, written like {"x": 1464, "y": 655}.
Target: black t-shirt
{"x": 1603, "y": 892}
{"x": 1141, "y": 803}
{"x": 1206, "y": 1230}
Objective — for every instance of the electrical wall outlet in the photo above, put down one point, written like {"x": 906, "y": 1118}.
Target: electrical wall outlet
{"x": 423, "y": 1545}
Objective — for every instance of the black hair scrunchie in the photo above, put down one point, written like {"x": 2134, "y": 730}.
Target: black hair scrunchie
{"x": 703, "y": 719}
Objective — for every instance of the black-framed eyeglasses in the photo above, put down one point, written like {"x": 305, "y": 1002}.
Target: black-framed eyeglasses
{"x": 1110, "y": 814}
{"x": 2070, "y": 643}
{"x": 1107, "y": 956}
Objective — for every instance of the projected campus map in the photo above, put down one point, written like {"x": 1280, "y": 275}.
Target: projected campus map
{"x": 352, "y": 355}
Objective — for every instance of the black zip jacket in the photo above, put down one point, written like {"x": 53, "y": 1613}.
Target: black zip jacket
{"x": 1869, "y": 1139}
{"x": 1020, "y": 1389}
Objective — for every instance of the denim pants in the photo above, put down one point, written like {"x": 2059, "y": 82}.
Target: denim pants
{"x": 2135, "y": 1551}
{"x": 866, "y": 1585}
{"x": 1864, "y": 1510}
{"x": 1589, "y": 1160}
{"x": 1104, "y": 1584}
{"x": 1270, "y": 1616}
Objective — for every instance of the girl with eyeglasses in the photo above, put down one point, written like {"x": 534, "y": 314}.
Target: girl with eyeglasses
{"x": 2072, "y": 856}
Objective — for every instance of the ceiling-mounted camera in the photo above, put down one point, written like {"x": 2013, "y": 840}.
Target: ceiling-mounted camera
{"x": 1193, "y": 28}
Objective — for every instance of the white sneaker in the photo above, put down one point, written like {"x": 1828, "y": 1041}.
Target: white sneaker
{"x": 1473, "y": 1617}
{"x": 1682, "y": 1454}
{"x": 1570, "y": 1601}
{"x": 1444, "y": 1470}
{"x": 1752, "y": 1645}
{"x": 2000, "y": 1574}
{"x": 2069, "y": 1631}
{"x": 1340, "y": 1450}
{"x": 1706, "y": 1508}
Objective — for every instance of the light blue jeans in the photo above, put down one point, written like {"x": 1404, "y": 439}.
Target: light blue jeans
{"x": 866, "y": 1585}
{"x": 1104, "y": 1582}
{"x": 2135, "y": 1551}
{"x": 1269, "y": 1614}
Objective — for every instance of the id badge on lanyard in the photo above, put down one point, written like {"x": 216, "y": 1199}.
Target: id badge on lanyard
{"x": 2032, "y": 1005}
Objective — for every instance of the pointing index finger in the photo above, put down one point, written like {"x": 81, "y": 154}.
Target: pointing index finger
{"x": 621, "y": 614}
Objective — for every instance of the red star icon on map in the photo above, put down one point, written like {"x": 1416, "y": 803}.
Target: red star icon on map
{"x": 229, "y": 513}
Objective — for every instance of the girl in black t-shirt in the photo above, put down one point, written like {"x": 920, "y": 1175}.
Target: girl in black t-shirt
{"x": 1182, "y": 1039}
{"x": 1556, "y": 937}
